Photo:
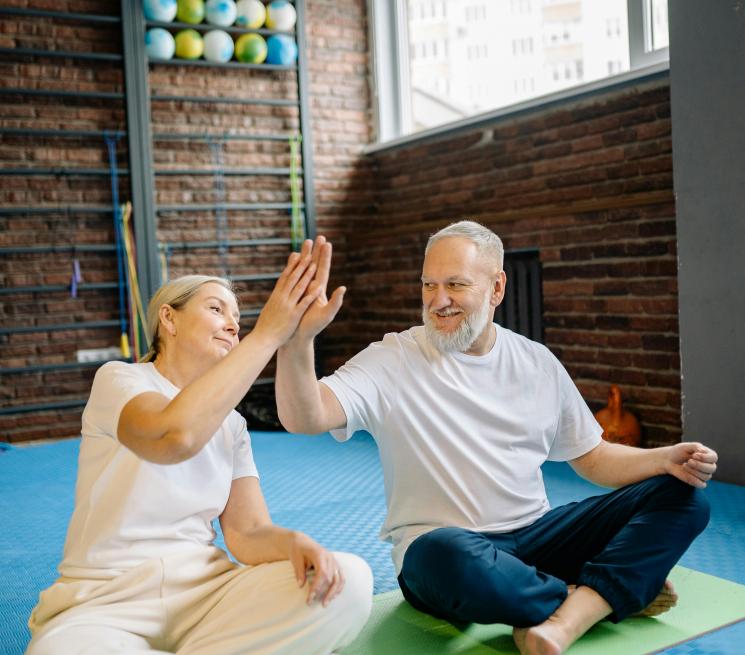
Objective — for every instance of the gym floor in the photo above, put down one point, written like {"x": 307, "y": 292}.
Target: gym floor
{"x": 332, "y": 491}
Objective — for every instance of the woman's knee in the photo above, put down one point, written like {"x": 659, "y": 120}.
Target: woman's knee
{"x": 354, "y": 603}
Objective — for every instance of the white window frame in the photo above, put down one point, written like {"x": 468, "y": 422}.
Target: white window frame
{"x": 641, "y": 52}
{"x": 388, "y": 34}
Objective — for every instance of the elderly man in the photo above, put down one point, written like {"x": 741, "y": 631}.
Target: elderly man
{"x": 464, "y": 413}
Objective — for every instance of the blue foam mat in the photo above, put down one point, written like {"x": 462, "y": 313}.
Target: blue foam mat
{"x": 332, "y": 491}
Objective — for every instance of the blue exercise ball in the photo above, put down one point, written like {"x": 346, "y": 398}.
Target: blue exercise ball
{"x": 163, "y": 11}
{"x": 159, "y": 43}
{"x": 281, "y": 49}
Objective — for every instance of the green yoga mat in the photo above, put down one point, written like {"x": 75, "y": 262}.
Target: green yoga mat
{"x": 705, "y": 604}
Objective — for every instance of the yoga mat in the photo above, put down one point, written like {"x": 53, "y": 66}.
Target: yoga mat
{"x": 705, "y": 603}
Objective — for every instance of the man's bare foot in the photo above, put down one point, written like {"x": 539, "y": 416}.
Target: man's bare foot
{"x": 545, "y": 639}
{"x": 666, "y": 600}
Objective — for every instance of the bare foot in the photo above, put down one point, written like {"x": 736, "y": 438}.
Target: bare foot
{"x": 545, "y": 639}
{"x": 666, "y": 600}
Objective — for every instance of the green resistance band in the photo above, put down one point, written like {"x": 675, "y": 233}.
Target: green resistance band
{"x": 297, "y": 229}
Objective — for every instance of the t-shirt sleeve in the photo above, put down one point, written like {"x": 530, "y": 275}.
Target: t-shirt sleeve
{"x": 365, "y": 386}
{"x": 243, "y": 459}
{"x": 114, "y": 385}
{"x": 577, "y": 431}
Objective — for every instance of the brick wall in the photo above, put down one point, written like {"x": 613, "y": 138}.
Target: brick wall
{"x": 60, "y": 229}
{"x": 588, "y": 183}
{"x": 340, "y": 107}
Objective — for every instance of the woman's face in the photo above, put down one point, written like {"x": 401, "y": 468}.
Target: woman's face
{"x": 207, "y": 325}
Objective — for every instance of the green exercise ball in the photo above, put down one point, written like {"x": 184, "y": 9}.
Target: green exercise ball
{"x": 250, "y": 49}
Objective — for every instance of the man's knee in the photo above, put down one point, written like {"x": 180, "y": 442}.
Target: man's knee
{"x": 445, "y": 552}
{"x": 676, "y": 495}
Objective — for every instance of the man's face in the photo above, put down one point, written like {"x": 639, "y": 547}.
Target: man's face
{"x": 458, "y": 294}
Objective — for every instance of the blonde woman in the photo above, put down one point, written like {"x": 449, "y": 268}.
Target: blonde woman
{"x": 164, "y": 453}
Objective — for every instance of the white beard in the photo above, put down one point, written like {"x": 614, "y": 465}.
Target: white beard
{"x": 462, "y": 338}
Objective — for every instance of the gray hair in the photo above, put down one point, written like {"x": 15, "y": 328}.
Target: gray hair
{"x": 175, "y": 293}
{"x": 489, "y": 245}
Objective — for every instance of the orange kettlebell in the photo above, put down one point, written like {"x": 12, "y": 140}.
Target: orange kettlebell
{"x": 619, "y": 425}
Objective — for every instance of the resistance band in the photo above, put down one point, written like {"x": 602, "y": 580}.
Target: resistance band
{"x": 297, "y": 229}
{"x": 111, "y": 140}
{"x": 137, "y": 311}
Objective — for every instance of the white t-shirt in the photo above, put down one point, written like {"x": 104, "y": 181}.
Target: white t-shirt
{"x": 462, "y": 437}
{"x": 128, "y": 510}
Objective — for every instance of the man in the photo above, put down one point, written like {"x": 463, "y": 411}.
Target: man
{"x": 464, "y": 413}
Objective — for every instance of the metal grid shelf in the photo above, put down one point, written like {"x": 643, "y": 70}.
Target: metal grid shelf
{"x": 206, "y": 27}
{"x": 228, "y": 206}
{"x": 197, "y": 136}
{"x": 216, "y": 64}
{"x": 68, "y": 54}
{"x": 66, "y": 15}
{"x": 55, "y": 93}
{"x": 56, "y": 288}
{"x": 282, "y": 172}
{"x": 62, "y": 366}
{"x": 225, "y": 100}
{"x": 59, "y": 327}
{"x": 137, "y": 101}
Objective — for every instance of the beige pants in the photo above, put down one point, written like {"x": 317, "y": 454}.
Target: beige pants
{"x": 199, "y": 603}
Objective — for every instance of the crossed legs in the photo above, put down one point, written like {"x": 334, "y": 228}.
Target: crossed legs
{"x": 617, "y": 549}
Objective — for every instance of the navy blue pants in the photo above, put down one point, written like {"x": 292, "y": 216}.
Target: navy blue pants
{"x": 621, "y": 544}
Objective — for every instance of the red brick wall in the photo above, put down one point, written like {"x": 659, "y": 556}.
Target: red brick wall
{"x": 588, "y": 183}
{"x": 340, "y": 107}
{"x": 59, "y": 229}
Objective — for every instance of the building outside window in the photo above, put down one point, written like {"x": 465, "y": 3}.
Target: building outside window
{"x": 487, "y": 56}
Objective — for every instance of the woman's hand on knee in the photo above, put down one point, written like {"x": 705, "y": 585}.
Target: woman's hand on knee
{"x": 316, "y": 565}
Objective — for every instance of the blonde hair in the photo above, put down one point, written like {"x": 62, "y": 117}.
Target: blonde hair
{"x": 487, "y": 243}
{"x": 175, "y": 293}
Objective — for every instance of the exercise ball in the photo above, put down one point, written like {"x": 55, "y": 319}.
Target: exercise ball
{"x": 250, "y": 49}
{"x": 220, "y": 12}
{"x": 189, "y": 44}
{"x": 281, "y": 49}
{"x": 190, "y": 11}
{"x": 280, "y": 15}
{"x": 160, "y": 10}
{"x": 218, "y": 46}
{"x": 159, "y": 43}
{"x": 250, "y": 14}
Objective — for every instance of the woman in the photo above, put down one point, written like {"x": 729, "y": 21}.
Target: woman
{"x": 163, "y": 453}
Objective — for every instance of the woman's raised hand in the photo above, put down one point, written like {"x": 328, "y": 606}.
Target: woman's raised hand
{"x": 323, "y": 309}
{"x": 291, "y": 297}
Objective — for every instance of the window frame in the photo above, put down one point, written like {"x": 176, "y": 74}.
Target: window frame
{"x": 392, "y": 114}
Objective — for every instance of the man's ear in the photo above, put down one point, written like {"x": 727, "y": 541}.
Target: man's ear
{"x": 500, "y": 286}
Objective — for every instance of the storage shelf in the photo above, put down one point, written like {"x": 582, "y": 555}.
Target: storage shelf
{"x": 65, "y": 15}
{"x": 55, "y": 288}
{"x": 207, "y": 27}
{"x": 68, "y": 54}
{"x": 59, "y": 327}
{"x": 217, "y": 100}
{"x": 219, "y": 64}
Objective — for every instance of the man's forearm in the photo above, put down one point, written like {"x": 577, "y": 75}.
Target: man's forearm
{"x": 299, "y": 404}
{"x": 615, "y": 465}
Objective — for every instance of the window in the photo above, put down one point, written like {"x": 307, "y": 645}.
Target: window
{"x": 556, "y": 45}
